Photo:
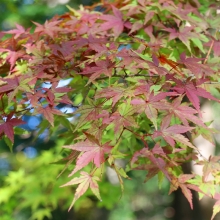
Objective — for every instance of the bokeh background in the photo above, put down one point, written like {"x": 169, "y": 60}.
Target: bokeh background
{"x": 29, "y": 187}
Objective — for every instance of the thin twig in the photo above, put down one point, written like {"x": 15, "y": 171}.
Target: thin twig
{"x": 210, "y": 48}
{"x": 26, "y": 109}
{"x": 138, "y": 135}
{"x": 124, "y": 76}
{"x": 120, "y": 136}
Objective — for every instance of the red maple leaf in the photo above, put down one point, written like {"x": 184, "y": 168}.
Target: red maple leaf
{"x": 11, "y": 84}
{"x": 92, "y": 152}
{"x": 49, "y": 28}
{"x": 48, "y": 112}
{"x": 122, "y": 119}
{"x": 173, "y": 133}
{"x": 196, "y": 68}
{"x": 183, "y": 112}
{"x": 127, "y": 57}
{"x": 184, "y": 34}
{"x": 19, "y": 31}
{"x": 65, "y": 49}
{"x": 93, "y": 42}
{"x": 136, "y": 26}
{"x": 86, "y": 24}
{"x": 7, "y": 126}
{"x": 114, "y": 92}
{"x": 192, "y": 91}
{"x": 85, "y": 181}
{"x": 158, "y": 163}
{"x": 16, "y": 84}
{"x": 12, "y": 56}
{"x": 102, "y": 67}
{"x": 103, "y": 50}
{"x": 151, "y": 103}
{"x": 114, "y": 22}
{"x": 35, "y": 98}
{"x": 185, "y": 187}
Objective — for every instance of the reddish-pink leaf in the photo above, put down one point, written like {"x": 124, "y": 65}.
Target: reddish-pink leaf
{"x": 19, "y": 31}
{"x": 85, "y": 181}
{"x": 7, "y": 127}
{"x": 158, "y": 162}
{"x": 92, "y": 152}
{"x": 49, "y": 28}
{"x": 48, "y": 113}
{"x": 196, "y": 68}
{"x": 102, "y": 67}
{"x": 116, "y": 93}
{"x": 121, "y": 121}
{"x": 152, "y": 103}
{"x": 192, "y": 91}
{"x": 183, "y": 112}
{"x": 114, "y": 22}
{"x": 187, "y": 193}
{"x": 11, "y": 85}
{"x": 12, "y": 56}
{"x": 183, "y": 178}
{"x": 184, "y": 34}
{"x": 173, "y": 133}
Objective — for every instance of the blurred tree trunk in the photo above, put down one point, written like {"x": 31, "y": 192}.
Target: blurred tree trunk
{"x": 181, "y": 205}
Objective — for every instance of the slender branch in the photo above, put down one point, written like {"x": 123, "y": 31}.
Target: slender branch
{"x": 26, "y": 109}
{"x": 120, "y": 136}
{"x": 210, "y": 48}
{"x": 138, "y": 135}
{"x": 3, "y": 107}
{"x": 124, "y": 76}
{"x": 86, "y": 94}
{"x": 139, "y": 71}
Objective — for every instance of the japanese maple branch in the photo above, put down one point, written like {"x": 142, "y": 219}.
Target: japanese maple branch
{"x": 126, "y": 76}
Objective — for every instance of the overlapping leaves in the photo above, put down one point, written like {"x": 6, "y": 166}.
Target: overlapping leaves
{"x": 135, "y": 72}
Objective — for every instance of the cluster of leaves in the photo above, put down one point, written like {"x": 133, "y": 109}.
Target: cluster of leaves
{"x": 30, "y": 191}
{"x": 136, "y": 70}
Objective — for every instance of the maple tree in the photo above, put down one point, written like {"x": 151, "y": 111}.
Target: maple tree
{"x": 136, "y": 70}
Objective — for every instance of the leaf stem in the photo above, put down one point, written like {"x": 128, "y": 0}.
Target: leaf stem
{"x": 210, "y": 48}
{"x": 138, "y": 135}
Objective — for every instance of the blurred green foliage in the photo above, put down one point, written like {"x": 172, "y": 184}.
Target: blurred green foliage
{"x": 25, "y": 11}
{"x": 30, "y": 190}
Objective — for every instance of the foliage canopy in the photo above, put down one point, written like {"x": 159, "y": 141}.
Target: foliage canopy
{"x": 136, "y": 71}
